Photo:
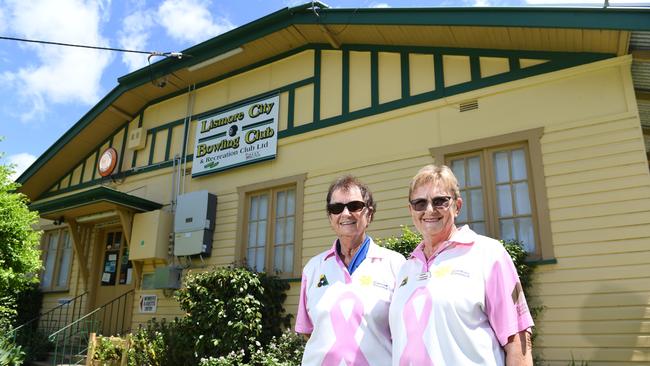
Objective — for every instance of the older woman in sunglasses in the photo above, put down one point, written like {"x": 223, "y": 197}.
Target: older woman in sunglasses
{"x": 346, "y": 290}
{"x": 459, "y": 300}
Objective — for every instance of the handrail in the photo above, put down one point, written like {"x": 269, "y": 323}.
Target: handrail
{"x": 71, "y": 341}
{"x": 53, "y": 309}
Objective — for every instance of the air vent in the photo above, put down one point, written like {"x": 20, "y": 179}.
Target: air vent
{"x": 468, "y": 106}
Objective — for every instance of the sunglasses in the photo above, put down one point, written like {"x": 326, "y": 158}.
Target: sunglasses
{"x": 438, "y": 202}
{"x": 353, "y": 206}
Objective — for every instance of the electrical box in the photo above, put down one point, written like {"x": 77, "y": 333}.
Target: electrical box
{"x": 195, "y": 211}
{"x": 150, "y": 235}
{"x": 194, "y": 223}
{"x": 166, "y": 278}
{"x": 137, "y": 139}
{"x": 193, "y": 242}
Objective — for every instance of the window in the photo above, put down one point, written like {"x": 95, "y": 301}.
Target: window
{"x": 57, "y": 257}
{"x": 271, "y": 225}
{"x": 502, "y": 186}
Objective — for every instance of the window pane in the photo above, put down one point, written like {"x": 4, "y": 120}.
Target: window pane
{"x": 252, "y": 234}
{"x": 522, "y": 199}
{"x": 501, "y": 170}
{"x": 458, "y": 167}
{"x": 477, "y": 204}
{"x": 261, "y": 233}
{"x": 504, "y": 200}
{"x": 291, "y": 202}
{"x": 474, "y": 171}
{"x": 264, "y": 207}
{"x": 259, "y": 259}
{"x": 50, "y": 260}
{"x": 467, "y": 206}
{"x": 525, "y": 233}
{"x": 289, "y": 230}
{"x": 64, "y": 266}
{"x": 519, "y": 165}
{"x": 280, "y": 204}
{"x": 288, "y": 258}
{"x": 479, "y": 228}
{"x": 253, "y": 209}
{"x": 250, "y": 257}
{"x": 278, "y": 258}
{"x": 279, "y": 231}
{"x": 507, "y": 228}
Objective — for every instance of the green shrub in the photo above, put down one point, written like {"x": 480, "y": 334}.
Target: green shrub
{"x": 162, "y": 343}
{"x": 223, "y": 308}
{"x": 11, "y": 354}
{"x": 274, "y": 318}
{"x": 403, "y": 244}
{"x": 285, "y": 350}
{"x": 107, "y": 350}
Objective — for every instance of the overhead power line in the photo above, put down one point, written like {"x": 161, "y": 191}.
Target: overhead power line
{"x": 150, "y": 53}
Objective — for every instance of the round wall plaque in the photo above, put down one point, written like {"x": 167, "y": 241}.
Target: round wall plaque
{"x": 107, "y": 162}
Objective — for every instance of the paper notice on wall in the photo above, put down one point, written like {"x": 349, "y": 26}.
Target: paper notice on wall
{"x": 112, "y": 257}
{"x": 128, "y": 276}
{"x": 148, "y": 303}
{"x": 106, "y": 277}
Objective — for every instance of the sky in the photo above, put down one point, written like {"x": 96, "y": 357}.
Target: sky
{"x": 46, "y": 89}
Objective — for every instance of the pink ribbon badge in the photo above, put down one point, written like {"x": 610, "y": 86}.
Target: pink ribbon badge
{"x": 345, "y": 347}
{"x": 415, "y": 353}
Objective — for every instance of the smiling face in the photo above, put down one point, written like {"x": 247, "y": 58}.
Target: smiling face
{"x": 435, "y": 224}
{"x": 350, "y": 227}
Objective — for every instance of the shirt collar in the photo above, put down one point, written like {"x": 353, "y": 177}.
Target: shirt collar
{"x": 462, "y": 236}
{"x": 373, "y": 250}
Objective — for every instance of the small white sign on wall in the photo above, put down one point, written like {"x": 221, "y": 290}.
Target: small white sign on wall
{"x": 148, "y": 303}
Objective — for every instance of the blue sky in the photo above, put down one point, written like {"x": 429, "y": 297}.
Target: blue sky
{"x": 45, "y": 90}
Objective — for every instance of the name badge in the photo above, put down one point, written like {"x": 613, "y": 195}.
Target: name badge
{"x": 424, "y": 276}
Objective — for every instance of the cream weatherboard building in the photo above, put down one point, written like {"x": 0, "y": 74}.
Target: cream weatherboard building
{"x": 542, "y": 113}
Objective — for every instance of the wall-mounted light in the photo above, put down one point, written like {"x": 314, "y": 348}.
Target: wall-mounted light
{"x": 59, "y": 221}
{"x": 216, "y": 59}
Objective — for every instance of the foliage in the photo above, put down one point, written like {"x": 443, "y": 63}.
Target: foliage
{"x": 274, "y": 319}
{"x": 573, "y": 362}
{"x": 10, "y": 353}
{"x": 228, "y": 309}
{"x": 285, "y": 350}
{"x": 19, "y": 253}
{"x": 160, "y": 343}
{"x": 223, "y": 302}
{"x": 107, "y": 350}
{"x": 403, "y": 244}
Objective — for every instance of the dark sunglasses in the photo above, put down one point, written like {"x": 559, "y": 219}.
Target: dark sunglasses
{"x": 439, "y": 202}
{"x": 353, "y": 206}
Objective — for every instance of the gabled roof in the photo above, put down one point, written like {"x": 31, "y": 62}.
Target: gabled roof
{"x": 543, "y": 29}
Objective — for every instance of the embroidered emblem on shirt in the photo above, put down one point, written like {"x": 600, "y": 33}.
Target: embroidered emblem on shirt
{"x": 404, "y": 281}
{"x": 442, "y": 271}
{"x": 322, "y": 281}
{"x": 365, "y": 280}
{"x": 460, "y": 272}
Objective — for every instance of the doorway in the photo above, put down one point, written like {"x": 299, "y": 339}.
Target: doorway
{"x": 115, "y": 282}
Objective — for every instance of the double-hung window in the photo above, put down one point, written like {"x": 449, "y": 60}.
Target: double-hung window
{"x": 502, "y": 186}
{"x": 270, "y": 226}
{"x": 57, "y": 259}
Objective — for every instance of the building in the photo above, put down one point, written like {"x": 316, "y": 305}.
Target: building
{"x": 542, "y": 111}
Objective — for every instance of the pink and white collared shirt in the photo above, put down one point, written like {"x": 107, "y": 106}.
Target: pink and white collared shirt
{"x": 347, "y": 315}
{"x": 460, "y": 306}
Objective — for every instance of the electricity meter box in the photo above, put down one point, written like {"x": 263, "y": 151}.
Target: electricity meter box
{"x": 194, "y": 223}
{"x": 167, "y": 278}
{"x": 150, "y": 235}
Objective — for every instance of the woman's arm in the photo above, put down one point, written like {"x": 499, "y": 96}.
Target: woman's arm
{"x": 519, "y": 350}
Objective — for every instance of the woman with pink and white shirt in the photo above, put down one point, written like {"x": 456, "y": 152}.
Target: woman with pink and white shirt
{"x": 458, "y": 300}
{"x": 346, "y": 291}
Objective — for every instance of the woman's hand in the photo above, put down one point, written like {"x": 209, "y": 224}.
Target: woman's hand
{"x": 519, "y": 350}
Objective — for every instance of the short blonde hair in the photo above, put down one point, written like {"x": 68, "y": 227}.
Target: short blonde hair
{"x": 438, "y": 175}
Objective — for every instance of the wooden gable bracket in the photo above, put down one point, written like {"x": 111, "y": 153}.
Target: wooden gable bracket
{"x": 126, "y": 219}
{"x": 78, "y": 250}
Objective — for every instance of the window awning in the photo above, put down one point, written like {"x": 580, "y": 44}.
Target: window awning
{"x": 92, "y": 203}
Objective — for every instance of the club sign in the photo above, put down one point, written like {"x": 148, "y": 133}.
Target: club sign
{"x": 240, "y": 136}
